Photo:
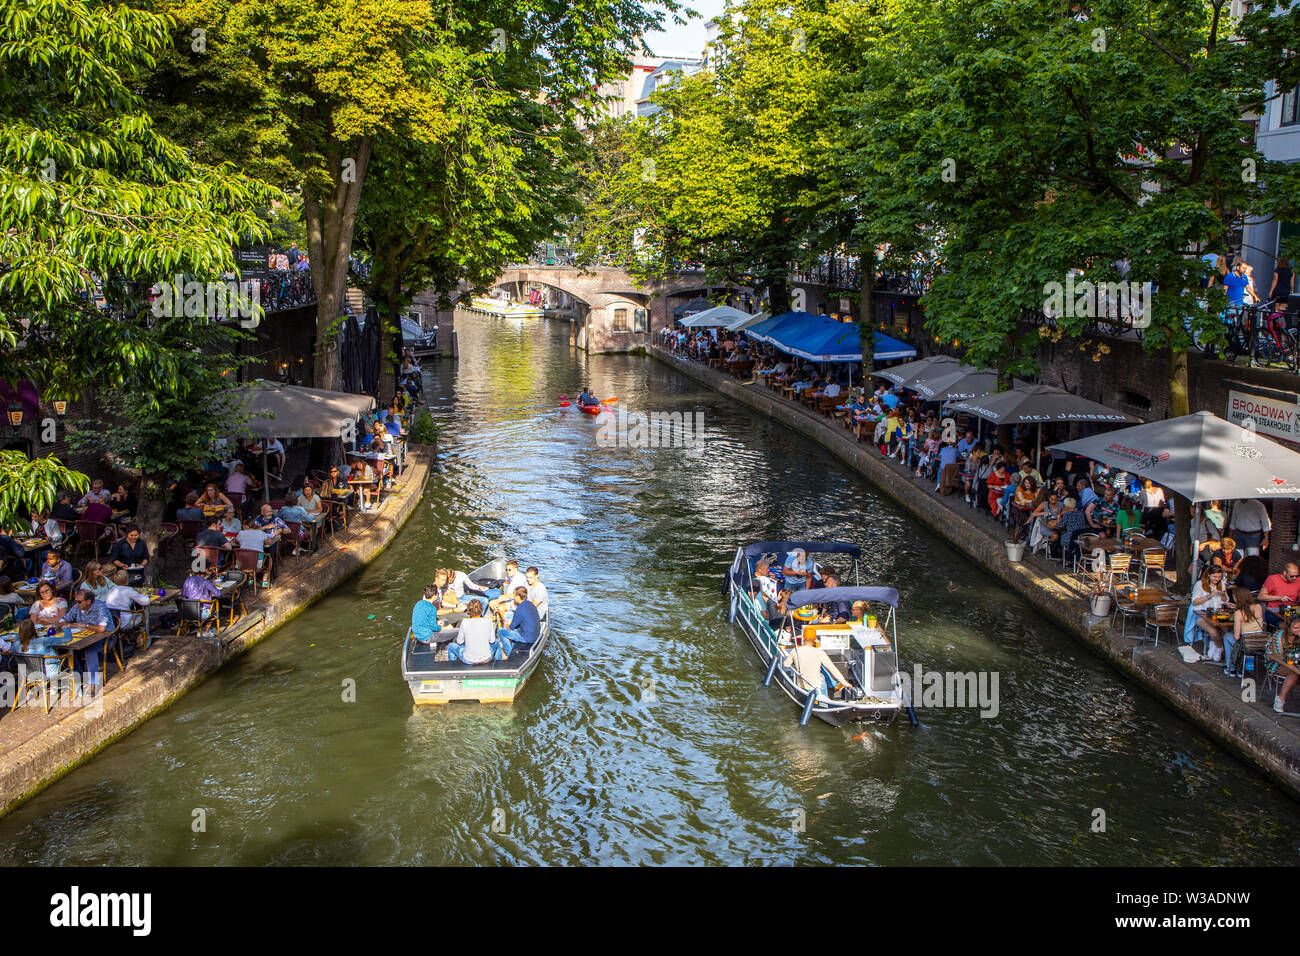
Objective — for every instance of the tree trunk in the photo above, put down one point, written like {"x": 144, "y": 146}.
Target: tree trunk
{"x": 389, "y": 333}
{"x": 330, "y": 220}
{"x": 867, "y": 310}
{"x": 778, "y": 291}
{"x": 1179, "y": 405}
{"x": 149, "y": 515}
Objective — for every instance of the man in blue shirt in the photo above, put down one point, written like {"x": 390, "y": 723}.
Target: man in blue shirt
{"x": 889, "y": 399}
{"x": 92, "y": 613}
{"x": 586, "y": 398}
{"x": 1086, "y": 495}
{"x": 966, "y": 444}
{"x": 525, "y": 625}
{"x": 947, "y": 456}
{"x": 424, "y": 616}
{"x": 1235, "y": 282}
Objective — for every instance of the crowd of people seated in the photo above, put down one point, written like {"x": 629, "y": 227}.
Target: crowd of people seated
{"x": 477, "y": 625}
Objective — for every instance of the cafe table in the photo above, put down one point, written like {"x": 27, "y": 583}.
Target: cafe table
{"x": 1153, "y": 596}
{"x": 1139, "y": 544}
{"x": 82, "y": 639}
{"x": 157, "y": 598}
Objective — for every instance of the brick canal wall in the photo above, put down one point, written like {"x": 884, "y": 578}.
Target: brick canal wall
{"x": 1200, "y": 693}
{"x": 154, "y": 679}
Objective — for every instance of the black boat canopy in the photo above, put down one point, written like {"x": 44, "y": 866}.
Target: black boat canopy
{"x": 812, "y": 547}
{"x": 827, "y": 595}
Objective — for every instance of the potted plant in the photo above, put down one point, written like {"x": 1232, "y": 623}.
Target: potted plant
{"x": 1100, "y": 601}
{"x": 1015, "y": 547}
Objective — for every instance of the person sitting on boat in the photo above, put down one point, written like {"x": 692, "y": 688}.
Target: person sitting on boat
{"x": 474, "y": 644}
{"x": 777, "y": 609}
{"x": 513, "y": 578}
{"x": 586, "y": 398}
{"x": 766, "y": 584}
{"x": 458, "y": 583}
{"x": 424, "y": 616}
{"x": 798, "y": 567}
{"x": 817, "y": 671}
{"x": 537, "y": 592}
{"x": 859, "y": 612}
{"x": 839, "y": 611}
{"x": 525, "y": 625}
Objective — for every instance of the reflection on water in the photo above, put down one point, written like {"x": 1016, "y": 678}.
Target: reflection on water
{"x": 585, "y": 766}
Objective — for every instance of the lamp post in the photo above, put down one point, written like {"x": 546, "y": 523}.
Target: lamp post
{"x": 60, "y": 407}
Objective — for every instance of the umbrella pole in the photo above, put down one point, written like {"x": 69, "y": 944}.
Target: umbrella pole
{"x": 1038, "y": 449}
{"x": 266, "y": 481}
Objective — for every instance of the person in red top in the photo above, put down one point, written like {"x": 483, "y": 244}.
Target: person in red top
{"x": 1280, "y": 589}
{"x": 997, "y": 482}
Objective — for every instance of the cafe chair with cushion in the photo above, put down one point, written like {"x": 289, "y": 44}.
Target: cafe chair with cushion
{"x": 246, "y": 560}
{"x": 33, "y": 676}
{"x": 189, "y": 613}
{"x": 1126, "y": 606}
{"x": 1153, "y": 561}
{"x": 1161, "y": 617}
{"x": 189, "y": 530}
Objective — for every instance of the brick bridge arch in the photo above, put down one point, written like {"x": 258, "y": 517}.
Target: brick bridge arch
{"x": 604, "y": 291}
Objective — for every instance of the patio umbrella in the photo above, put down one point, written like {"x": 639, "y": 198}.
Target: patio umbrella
{"x": 912, "y": 371}
{"x": 692, "y": 307}
{"x": 945, "y": 383}
{"x": 1201, "y": 457}
{"x": 1039, "y": 404}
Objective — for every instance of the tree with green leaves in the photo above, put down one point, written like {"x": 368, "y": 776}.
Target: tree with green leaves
{"x": 96, "y": 203}
{"x": 333, "y": 79}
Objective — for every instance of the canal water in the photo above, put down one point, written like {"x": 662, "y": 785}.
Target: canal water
{"x": 647, "y": 736}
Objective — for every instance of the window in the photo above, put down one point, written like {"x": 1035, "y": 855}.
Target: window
{"x": 640, "y": 321}
{"x": 1137, "y": 400}
{"x": 620, "y": 320}
{"x": 1290, "y": 116}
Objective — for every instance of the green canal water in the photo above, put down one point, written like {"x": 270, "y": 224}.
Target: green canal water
{"x": 273, "y": 766}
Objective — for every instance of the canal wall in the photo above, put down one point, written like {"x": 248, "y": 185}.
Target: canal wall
{"x": 37, "y": 749}
{"x": 1202, "y": 694}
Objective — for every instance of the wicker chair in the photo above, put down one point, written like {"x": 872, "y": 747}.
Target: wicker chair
{"x": 32, "y": 675}
{"x": 190, "y": 617}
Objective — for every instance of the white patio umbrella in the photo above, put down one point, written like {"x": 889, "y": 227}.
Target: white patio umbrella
{"x": 1201, "y": 457}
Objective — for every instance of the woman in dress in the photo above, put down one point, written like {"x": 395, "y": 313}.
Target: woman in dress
{"x": 48, "y": 608}
{"x": 1209, "y": 594}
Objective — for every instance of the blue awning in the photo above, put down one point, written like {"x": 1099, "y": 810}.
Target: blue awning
{"x": 827, "y": 595}
{"x": 812, "y": 547}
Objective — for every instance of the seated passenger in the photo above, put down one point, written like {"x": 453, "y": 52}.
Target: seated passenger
{"x": 537, "y": 593}
{"x": 424, "y": 616}
{"x": 766, "y": 585}
{"x": 475, "y": 643}
{"x": 800, "y": 569}
{"x": 817, "y": 670}
{"x": 513, "y": 578}
{"x": 859, "y": 612}
{"x": 525, "y": 625}
{"x": 586, "y": 398}
{"x": 839, "y": 611}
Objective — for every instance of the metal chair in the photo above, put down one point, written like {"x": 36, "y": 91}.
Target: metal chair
{"x": 1118, "y": 566}
{"x": 189, "y": 612}
{"x": 235, "y": 595}
{"x": 32, "y": 675}
{"x": 1153, "y": 559}
{"x": 1084, "y": 566}
{"x": 1126, "y": 606}
{"x": 1159, "y": 617}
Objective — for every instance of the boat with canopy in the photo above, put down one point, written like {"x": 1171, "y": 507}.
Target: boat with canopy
{"x": 839, "y": 672}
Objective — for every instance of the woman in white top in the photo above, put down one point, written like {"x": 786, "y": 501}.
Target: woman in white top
{"x": 476, "y": 642}
{"x": 1209, "y": 594}
{"x": 120, "y": 600}
{"x": 41, "y": 525}
{"x": 48, "y": 608}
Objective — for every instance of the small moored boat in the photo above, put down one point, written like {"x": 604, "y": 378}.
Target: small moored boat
{"x": 839, "y": 673}
{"x": 435, "y": 680}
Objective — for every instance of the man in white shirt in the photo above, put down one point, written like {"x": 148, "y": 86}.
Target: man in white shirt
{"x": 1250, "y": 525}
{"x": 120, "y": 598}
{"x": 537, "y": 592}
{"x": 513, "y": 578}
{"x": 97, "y": 492}
{"x": 275, "y": 450}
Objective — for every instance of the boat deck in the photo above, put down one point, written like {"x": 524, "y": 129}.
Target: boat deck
{"x": 424, "y": 660}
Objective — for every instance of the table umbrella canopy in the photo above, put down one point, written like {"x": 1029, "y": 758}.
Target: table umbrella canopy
{"x": 1039, "y": 404}
{"x": 913, "y": 371}
{"x": 1200, "y": 456}
{"x": 691, "y": 308}
{"x": 945, "y": 383}
{"x": 295, "y": 411}
{"x": 723, "y": 317}
{"x": 785, "y": 324}
{"x": 831, "y": 341}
